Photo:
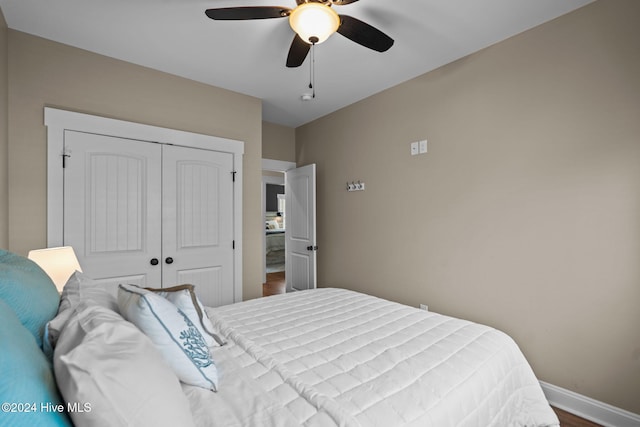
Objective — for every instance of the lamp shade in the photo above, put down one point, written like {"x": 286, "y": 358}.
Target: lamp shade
{"x": 314, "y": 22}
{"x": 59, "y": 263}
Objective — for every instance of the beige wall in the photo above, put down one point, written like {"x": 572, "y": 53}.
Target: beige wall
{"x": 44, "y": 73}
{"x": 524, "y": 214}
{"x": 278, "y": 142}
{"x": 4, "y": 142}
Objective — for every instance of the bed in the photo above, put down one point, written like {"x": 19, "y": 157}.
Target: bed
{"x": 324, "y": 357}
{"x": 275, "y": 246}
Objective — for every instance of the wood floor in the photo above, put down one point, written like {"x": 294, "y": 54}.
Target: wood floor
{"x": 275, "y": 284}
{"x": 569, "y": 420}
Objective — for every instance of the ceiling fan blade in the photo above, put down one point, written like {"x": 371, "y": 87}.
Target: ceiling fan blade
{"x": 297, "y": 52}
{"x": 248, "y": 12}
{"x": 364, "y": 34}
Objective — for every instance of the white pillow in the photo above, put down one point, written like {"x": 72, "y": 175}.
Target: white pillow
{"x": 114, "y": 374}
{"x": 79, "y": 287}
{"x": 177, "y": 338}
{"x": 184, "y": 297}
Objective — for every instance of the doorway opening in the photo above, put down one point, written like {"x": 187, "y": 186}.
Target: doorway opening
{"x": 274, "y": 216}
{"x": 275, "y": 223}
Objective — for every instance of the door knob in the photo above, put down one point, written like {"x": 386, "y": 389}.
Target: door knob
{"x": 169, "y": 260}
{"x": 154, "y": 261}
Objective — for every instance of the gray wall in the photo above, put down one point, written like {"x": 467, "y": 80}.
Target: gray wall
{"x": 525, "y": 212}
{"x": 44, "y": 73}
{"x": 278, "y": 142}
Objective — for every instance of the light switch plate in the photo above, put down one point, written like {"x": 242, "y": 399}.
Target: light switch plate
{"x": 414, "y": 148}
{"x": 423, "y": 146}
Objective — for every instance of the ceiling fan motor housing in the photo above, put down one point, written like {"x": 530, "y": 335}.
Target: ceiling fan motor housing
{"x": 314, "y": 22}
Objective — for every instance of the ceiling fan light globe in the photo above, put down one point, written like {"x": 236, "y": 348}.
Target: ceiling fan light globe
{"x": 311, "y": 20}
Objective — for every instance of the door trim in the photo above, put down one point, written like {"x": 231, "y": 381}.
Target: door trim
{"x": 277, "y": 165}
{"x": 57, "y": 121}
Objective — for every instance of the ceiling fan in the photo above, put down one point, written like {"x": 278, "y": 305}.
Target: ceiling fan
{"x": 313, "y": 21}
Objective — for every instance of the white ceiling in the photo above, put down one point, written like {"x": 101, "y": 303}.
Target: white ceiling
{"x": 249, "y": 57}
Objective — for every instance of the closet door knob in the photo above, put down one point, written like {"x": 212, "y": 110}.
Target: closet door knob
{"x": 169, "y": 260}
{"x": 154, "y": 261}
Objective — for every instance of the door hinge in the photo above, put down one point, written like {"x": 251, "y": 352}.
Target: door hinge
{"x": 233, "y": 176}
{"x": 64, "y": 160}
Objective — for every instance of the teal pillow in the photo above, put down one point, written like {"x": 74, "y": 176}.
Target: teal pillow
{"x": 27, "y": 289}
{"x": 27, "y": 381}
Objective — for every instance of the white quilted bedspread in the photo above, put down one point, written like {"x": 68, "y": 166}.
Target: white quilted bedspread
{"x": 334, "y": 357}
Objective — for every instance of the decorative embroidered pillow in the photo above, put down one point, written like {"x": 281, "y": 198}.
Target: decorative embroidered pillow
{"x": 180, "y": 342}
{"x": 184, "y": 297}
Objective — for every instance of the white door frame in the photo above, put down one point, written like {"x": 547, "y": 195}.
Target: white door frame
{"x": 272, "y": 166}
{"x": 57, "y": 121}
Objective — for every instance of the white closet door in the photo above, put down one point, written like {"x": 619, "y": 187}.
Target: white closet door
{"x": 198, "y": 222}
{"x": 112, "y": 207}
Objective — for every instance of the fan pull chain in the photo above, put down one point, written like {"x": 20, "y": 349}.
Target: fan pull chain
{"x": 312, "y": 73}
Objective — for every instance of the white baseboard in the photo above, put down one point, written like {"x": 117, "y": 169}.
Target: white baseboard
{"x": 587, "y": 408}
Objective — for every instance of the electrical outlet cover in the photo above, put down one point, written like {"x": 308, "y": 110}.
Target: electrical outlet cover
{"x": 423, "y": 146}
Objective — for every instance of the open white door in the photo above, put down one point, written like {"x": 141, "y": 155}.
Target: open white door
{"x": 300, "y": 232}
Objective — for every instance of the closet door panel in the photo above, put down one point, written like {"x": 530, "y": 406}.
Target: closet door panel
{"x": 210, "y": 286}
{"x": 198, "y": 222}
{"x": 112, "y": 202}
